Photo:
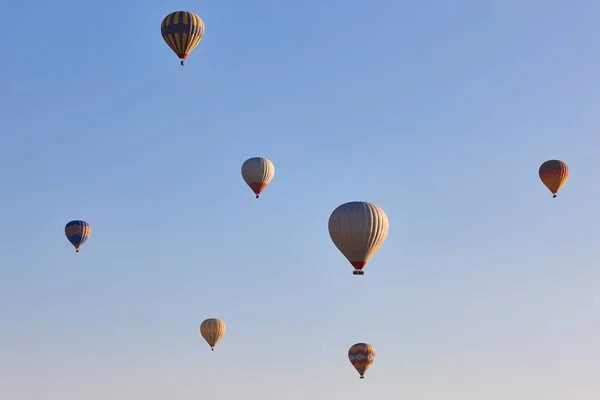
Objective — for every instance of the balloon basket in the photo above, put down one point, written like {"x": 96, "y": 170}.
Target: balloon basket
{"x": 358, "y": 272}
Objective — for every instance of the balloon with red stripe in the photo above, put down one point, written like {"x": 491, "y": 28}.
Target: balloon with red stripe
{"x": 358, "y": 229}
{"x": 554, "y": 174}
{"x": 258, "y": 173}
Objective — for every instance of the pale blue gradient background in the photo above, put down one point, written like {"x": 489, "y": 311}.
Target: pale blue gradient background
{"x": 439, "y": 112}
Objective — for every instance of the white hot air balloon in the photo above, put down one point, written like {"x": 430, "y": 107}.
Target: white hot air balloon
{"x": 258, "y": 172}
{"x": 358, "y": 229}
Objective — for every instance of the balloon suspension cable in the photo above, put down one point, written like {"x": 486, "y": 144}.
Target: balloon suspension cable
{"x": 257, "y": 196}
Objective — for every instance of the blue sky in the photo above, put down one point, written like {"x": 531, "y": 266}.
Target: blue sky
{"x": 438, "y": 112}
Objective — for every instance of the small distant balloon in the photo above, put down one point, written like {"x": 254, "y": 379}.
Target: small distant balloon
{"x": 361, "y": 356}
{"x": 554, "y": 174}
{"x": 77, "y": 233}
{"x": 183, "y": 31}
{"x": 258, "y": 173}
{"x": 358, "y": 229}
{"x": 212, "y": 330}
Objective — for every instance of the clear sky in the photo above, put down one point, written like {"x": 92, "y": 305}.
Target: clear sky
{"x": 440, "y": 112}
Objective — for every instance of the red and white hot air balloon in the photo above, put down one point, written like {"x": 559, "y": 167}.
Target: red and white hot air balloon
{"x": 258, "y": 172}
{"x": 358, "y": 229}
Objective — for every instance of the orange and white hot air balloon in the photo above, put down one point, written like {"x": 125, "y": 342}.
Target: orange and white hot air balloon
{"x": 258, "y": 172}
{"x": 358, "y": 229}
{"x": 212, "y": 330}
{"x": 554, "y": 174}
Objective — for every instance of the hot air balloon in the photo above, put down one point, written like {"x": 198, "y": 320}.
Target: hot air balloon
{"x": 212, "y": 330}
{"x": 361, "y": 356}
{"x": 78, "y": 233}
{"x": 183, "y": 31}
{"x": 258, "y": 172}
{"x": 358, "y": 229}
{"x": 554, "y": 174}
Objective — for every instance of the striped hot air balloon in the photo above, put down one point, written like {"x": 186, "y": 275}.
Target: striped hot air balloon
{"x": 183, "y": 31}
{"x": 554, "y": 174}
{"x": 358, "y": 229}
{"x": 78, "y": 233}
{"x": 258, "y": 173}
{"x": 212, "y": 330}
{"x": 361, "y": 356}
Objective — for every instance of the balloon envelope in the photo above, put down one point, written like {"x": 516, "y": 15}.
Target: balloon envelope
{"x": 361, "y": 356}
{"x": 78, "y": 232}
{"x": 183, "y": 31}
{"x": 554, "y": 174}
{"x": 212, "y": 330}
{"x": 358, "y": 229}
{"x": 258, "y": 173}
